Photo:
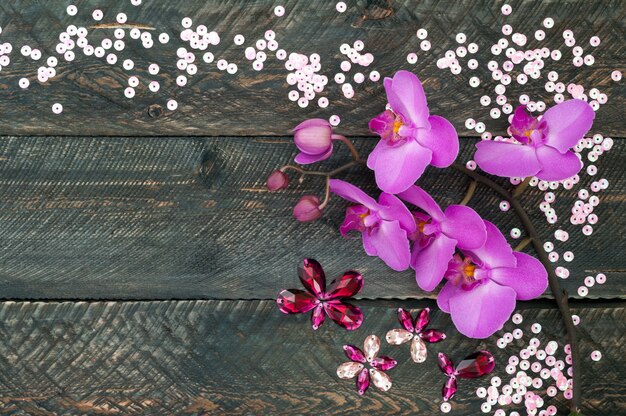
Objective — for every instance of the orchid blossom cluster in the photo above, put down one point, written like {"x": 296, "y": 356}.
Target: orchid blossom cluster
{"x": 406, "y": 228}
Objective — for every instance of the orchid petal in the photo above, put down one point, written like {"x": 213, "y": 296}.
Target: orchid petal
{"x": 368, "y": 244}
{"x": 557, "y": 166}
{"x": 421, "y": 199}
{"x": 443, "y": 298}
{"x": 392, "y": 245}
{"x": 432, "y": 262}
{"x": 391, "y": 208}
{"x": 567, "y": 123}
{"x": 506, "y": 159}
{"x": 442, "y": 139}
{"x": 398, "y": 167}
{"x": 406, "y": 97}
{"x": 351, "y": 193}
{"x": 465, "y": 226}
{"x": 496, "y": 252}
{"x": 481, "y": 311}
{"x": 306, "y": 159}
{"x": 371, "y": 159}
{"x": 529, "y": 279}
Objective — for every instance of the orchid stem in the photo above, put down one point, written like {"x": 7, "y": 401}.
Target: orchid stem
{"x": 329, "y": 174}
{"x": 470, "y": 192}
{"x": 523, "y": 244}
{"x": 355, "y": 153}
{"x": 560, "y": 296}
{"x": 521, "y": 187}
{"x": 326, "y": 195}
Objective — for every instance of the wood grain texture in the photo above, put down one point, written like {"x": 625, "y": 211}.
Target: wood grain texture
{"x": 215, "y": 103}
{"x": 245, "y": 357}
{"x": 139, "y": 218}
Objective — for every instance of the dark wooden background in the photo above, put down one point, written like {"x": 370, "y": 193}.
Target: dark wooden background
{"x": 141, "y": 253}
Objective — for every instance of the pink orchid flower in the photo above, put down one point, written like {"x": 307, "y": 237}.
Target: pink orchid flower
{"x": 385, "y": 225}
{"x": 411, "y": 138}
{"x": 438, "y": 234}
{"x": 314, "y": 138}
{"x": 544, "y": 149}
{"x": 482, "y": 288}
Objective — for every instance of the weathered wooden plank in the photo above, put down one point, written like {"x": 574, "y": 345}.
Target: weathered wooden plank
{"x": 245, "y": 357}
{"x": 255, "y": 103}
{"x": 138, "y": 218}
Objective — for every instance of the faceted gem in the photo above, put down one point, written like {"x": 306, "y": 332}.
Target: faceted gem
{"x": 363, "y": 381}
{"x": 445, "y": 364}
{"x": 405, "y": 319}
{"x": 312, "y": 277}
{"x": 295, "y": 301}
{"x": 418, "y": 350}
{"x": 371, "y": 346}
{"x": 381, "y": 380}
{"x": 449, "y": 388}
{"x": 383, "y": 363}
{"x": 354, "y": 353}
{"x": 398, "y": 336}
{"x": 476, "y": 365}
{"x": 349, "y": 369}
{"x": 422, "y": 319}
{"x": 317, "y": 317}
{"x": 344, "y": 314}
{"x": 432, "y": 335}
{"x": 345, "y": 286}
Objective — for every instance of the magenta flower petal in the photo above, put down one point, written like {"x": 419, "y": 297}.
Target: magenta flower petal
{"x": 476, "y": 365}
{"x": 445, "y": 364}
{"x": 406, "y": 97}
{"x": 351, "y": 193}
{"x": 383, "y": 363}
{"x": 449, "y": 389}
{"x": 347, "y": 285}
{"x": 443, "y": 298}
{"x": 421, "y": 199}
{"x": 506, "y": 159}
{"x": 405, "y": 319}
{"x": 371, "y": 159}
{"x": 481, "y": 311}
{"x": 432, "y": 262}
{"x": 432, "y": 335}
{"x": 391, "y": 208}
{"x": 422, "y": 319}
{"x": 368, "y": 244}
{"x": 496, "y": 252}
{"x": 312, "y": 276}
{"x": 313, "y": 136}
{"x": 318, "y": 316}
{"x": 306, "y": 159}
{"x": 465, "y": 226}
{"x": 353, "y": 220}
{"x": 399, "y": 166}
{"x": 344, "y": 314}
{"x": 391, "y": 244}
{"x": 442, "y": 139}
{"x": 567, "y": 123}
{"x": 557, "y": 166}
{"x": 363, "y": 381}
{"x": 295, "y": 301}
{"x": 354, "y": 353}
{"x": 529, "y": 279}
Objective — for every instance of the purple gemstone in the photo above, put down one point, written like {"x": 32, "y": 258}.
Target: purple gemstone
{"x": 295, "y": 301}
{"x": 312, "y": 277}
{"x": 354, "y": 353}
{"x": 363, "y": 381}
{"x": 476, "y": 365}
{"x": 345, "y": 286}
{"x": 432, "y": 335}
{"x": 445, "y": 364}
{"x": 449, "y": 388}
{"x": 422, "y": 319}
{"x": 318, "y": 316}
{"x": 383, "y": 363}
{"x": 405, "y": 319}
{"x": 344, "y": 314}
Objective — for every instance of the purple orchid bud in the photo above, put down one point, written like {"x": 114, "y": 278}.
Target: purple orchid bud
{"x": 277, "y": 181}
{"x": 313, "y": 138}
{"x": 307, "y": 209}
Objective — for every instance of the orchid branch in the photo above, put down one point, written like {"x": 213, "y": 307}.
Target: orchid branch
{"x": 471, "y": 188}
{"x": 560, "y": 295}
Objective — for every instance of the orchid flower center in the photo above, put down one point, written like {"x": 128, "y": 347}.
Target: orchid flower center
{"x": 462, "y": 272}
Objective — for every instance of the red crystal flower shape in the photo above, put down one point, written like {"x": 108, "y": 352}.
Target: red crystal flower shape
{"x": 356, "y": 365}
{"x": 415, "y": 330}
{"x": 324, "y": 301}
{"x": 474, "y": 365}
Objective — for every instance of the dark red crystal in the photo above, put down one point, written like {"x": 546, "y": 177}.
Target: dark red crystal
{"x": 363, "y": 381}
{"x": 423, "y": 318}
{"x": 449, "y": 388}
{"x": 354, "y": 353}
{"x": 295, "y": 301}
{"x": 383, "y": 363}
{"x": 445, "y": 364}
{"x": 344, "y": 314}
{"x": 405, "y": 319}
{"x": 476, "y": 365}
{"x": 345, "y": 286}
{"x": 318, "y": 316}
{"x": 312, "y": 277}
{"x": 432, "y": 335}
